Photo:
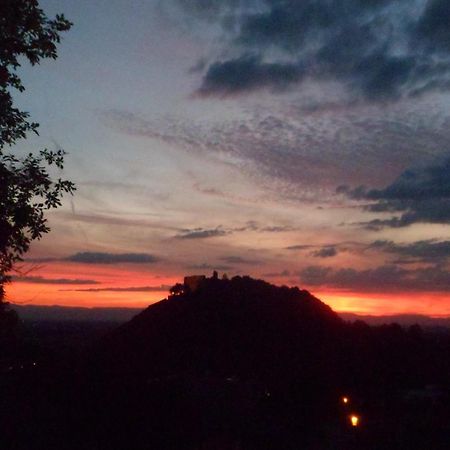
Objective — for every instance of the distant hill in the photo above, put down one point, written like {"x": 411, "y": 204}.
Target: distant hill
{"x": 56, "y": 313}
{"x": 401, "y": 319}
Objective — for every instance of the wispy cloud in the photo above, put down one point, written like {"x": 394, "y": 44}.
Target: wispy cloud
{"x": 101, "y": 258}
{"x": 328, "y": 250}
{"x": 201, "y": 233}
{"x": 325, "y": 252}
{"x": 43, "y": 280}
{"x": 300, "y": 247}
{"x": 162, "y": 288}
{"x": 111, "y": 219}
{"x": 112, "y": 258}
{"x": 251, "y": 226}
{"x": 385, "y": 278}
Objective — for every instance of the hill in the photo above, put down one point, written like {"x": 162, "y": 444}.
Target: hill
{"x": 240, "y": 363}
{"x": 429, "y": 323}
{"x": 264, "y": 366}
{"x": 239, "y": 327}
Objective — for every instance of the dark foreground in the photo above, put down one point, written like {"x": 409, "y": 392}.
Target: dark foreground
{"x": 239, "y": 365}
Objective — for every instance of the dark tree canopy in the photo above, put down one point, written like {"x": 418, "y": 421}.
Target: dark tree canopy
{"x": 27, "y": 188}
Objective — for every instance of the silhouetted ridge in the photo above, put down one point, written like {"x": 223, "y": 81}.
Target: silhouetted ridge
{"x": 240, "y": 327}
{"x": 241, "y": 363}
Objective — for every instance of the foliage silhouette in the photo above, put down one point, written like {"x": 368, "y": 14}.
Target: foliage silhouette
{"x": 27, "y": 189}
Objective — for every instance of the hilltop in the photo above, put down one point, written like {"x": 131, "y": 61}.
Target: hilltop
{"x": 239, "y": 327}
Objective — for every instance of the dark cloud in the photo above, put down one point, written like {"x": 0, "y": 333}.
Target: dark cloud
{"x": 434, "y": 26}
{"x": 162, "y": 288}
{"x": 425, "y": 183}
{"x": 299, "y": 247}
{"x": 201, "y": 233}
{"x": 426, "y": 250}
{"x": 252, "y": 225}
{"x": 248, "y": 73}
{"x": 325, "y": 252}
{"x": 112, "y": 258}
{"x": 420, "y": 195}
{"x": 328, "y": 250}
{"x": 377, "y": 49}
{"x": 277, "y": 229}
{"x": 42, "y": 280}
{"x": 386, "y": 278}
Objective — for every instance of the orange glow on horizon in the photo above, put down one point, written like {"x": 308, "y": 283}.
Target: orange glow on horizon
{"x": 118, "y": 277}
{"x": 81, "y": 293}
{"x": 433, "y": 304}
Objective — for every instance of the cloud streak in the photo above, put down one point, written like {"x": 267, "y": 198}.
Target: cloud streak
{"x": 112, "y": 258}
{"x": 300, "y": 247}
{"x": 251, "y": 226}
{"x": 425, "y": 251}
{"x": 328, "y": 250}
{"x": 325, "y": 252}
{"x": 385, "y": 278}
{"x": 202, "y": 233}
{"x": 43, "y": 280}
{"x": 162, "y": 288}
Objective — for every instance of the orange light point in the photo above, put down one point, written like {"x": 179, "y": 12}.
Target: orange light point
{"x": 354, "y": 420}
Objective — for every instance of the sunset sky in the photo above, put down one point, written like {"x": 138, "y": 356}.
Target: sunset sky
{"x": 305, "y": 143}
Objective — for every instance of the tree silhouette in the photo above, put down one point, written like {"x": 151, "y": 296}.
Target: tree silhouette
{"x": 27, "y": 188}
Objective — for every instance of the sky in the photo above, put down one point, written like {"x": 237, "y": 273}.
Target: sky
{"x": 305, "y": 143}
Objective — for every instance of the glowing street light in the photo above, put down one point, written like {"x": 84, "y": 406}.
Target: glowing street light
{"x": 345, "y": 400}
{"x": 354, "y": 420}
